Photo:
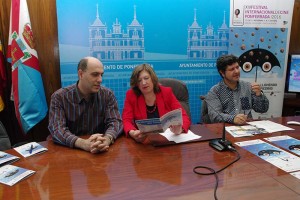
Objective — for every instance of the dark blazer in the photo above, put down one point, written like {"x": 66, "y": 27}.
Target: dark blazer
{"x": 135, "y": 108}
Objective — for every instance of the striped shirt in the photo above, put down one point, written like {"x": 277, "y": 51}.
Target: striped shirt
{"x": 70, "y": 115}
{"x": 224, "y": 103}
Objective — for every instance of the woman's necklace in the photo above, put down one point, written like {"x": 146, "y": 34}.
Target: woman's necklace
{"x": 153, "y": 108}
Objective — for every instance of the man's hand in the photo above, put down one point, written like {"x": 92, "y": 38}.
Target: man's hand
{"x": 95, "y": 143}
{"x": 100, "y": 143}
{"x": 255, "y": 87}
{"x": 240, "y": 119}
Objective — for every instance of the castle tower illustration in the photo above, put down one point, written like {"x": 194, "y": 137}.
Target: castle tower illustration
{"x": 208, "y": 43}
{"x": 116, "y": 44}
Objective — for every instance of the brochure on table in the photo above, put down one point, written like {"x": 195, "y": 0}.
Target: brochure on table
{"x": 243, "y": 131}
{"x": 30, "y": 149}
{"x": 276, "y": 156}
{"x": 296, "y": 174}
{"x": 10, "y": 175}
{"x": 286, "y": 142}
{"x": 159, "y": 125}
{"x": 6, "y": 158}
{"x": 256, "y": 127}
{"x": 270, "y": 126}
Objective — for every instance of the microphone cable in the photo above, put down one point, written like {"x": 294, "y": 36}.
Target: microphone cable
{"x": 215, "y": 173}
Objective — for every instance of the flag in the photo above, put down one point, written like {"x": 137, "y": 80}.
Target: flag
{"x": 2, "y": 78}
{"x": 27, "y": 85}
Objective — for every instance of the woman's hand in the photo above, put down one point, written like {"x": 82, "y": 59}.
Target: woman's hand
{"x": 176, "y": 129}
{"x": 137, "y": 135}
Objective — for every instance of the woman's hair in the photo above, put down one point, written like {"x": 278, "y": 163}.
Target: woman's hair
{"x": 134, "y": 79}
{"x": 224, "y": 61}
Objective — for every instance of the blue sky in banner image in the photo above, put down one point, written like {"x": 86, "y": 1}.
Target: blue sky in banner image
{"x": 165, "y": 21}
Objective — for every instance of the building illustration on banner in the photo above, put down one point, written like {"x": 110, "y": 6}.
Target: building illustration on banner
{"x": 180, "y": 40}
{"x": 207, "y": 44}
{"x": 117, "y": 45}
{"x": 121, "y": 47}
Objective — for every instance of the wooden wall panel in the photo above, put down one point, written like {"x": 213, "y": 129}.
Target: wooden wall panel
{"x": 44, "y": 26}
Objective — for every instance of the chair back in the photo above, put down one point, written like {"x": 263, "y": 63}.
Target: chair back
{"x": 180, "y": 91}
{"x": 4, "y": 139}
{"x": 204, "y": 113}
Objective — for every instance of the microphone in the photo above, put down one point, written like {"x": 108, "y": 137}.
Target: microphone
{"x": 219, "y": 144}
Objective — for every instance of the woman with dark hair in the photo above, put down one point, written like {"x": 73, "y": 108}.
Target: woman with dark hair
{"x": 148, "y": 99}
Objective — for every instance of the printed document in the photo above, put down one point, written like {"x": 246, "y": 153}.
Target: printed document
{"x": 159, "y": 125}
{"x": 10, "y": 175}
{"x": 269, "y": 126}
{"x": 30, "y": 149}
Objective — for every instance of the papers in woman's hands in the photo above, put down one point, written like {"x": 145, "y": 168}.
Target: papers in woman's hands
{"x": 183, "y": 137}
{"x": 30, "y": 149}
{"x": 158, "y": 125}
{"x": 161, "y": 126}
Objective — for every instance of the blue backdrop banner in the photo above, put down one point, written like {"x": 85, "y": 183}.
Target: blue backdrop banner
{"x": 180, "y": 39}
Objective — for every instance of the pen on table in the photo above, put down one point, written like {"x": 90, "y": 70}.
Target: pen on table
{"x": 31, "y": 148}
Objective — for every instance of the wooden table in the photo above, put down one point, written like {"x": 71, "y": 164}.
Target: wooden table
{"x": 134, "y": 171}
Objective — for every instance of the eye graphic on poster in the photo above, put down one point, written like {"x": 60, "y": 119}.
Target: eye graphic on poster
{"x": 258, "y": 57}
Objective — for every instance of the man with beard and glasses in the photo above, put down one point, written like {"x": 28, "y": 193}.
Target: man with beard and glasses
{"x": 231, "y": 100}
